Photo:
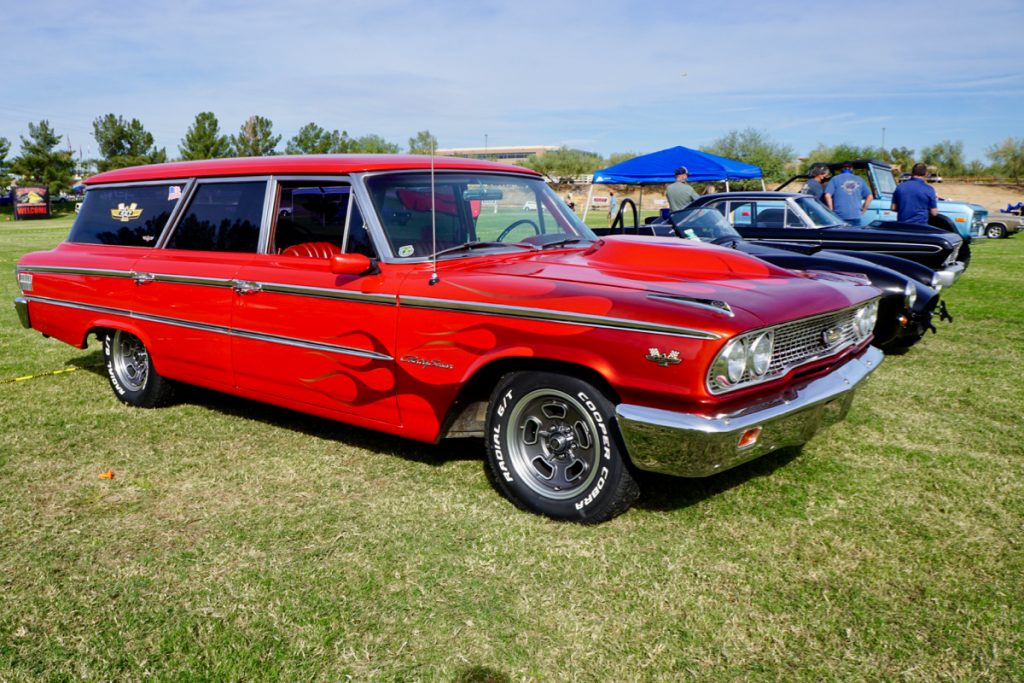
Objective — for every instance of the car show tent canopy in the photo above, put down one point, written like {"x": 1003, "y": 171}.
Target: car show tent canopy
{"x": 660, "y": 167}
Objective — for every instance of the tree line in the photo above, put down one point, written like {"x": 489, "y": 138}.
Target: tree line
{"x": 123, "y": 142}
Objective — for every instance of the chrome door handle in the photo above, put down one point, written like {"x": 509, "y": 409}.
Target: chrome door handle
{"x": 143, "y": 278}
{"x": 247, "y": 287}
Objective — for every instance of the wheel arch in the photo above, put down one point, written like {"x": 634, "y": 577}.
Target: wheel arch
{"x": 467, "y": 414}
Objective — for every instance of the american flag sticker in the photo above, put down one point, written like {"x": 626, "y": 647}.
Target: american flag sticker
{"x": 173, "y": 192}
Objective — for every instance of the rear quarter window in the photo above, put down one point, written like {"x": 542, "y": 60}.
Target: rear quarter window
{"x": 125, "y": 216}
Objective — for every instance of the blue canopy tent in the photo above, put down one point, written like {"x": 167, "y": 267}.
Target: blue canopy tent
{"x": 659, "y": 168}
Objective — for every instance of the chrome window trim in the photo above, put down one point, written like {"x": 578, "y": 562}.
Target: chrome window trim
{"x": 186, "y": 183}
{"x": 561, "y": 317}
{"x": 218, "y": 180}
{"x": 215, "y": 329}
{"x": 386, "y": 255}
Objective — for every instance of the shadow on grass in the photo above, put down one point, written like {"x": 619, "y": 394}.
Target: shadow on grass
{"x": 661, "y": 492}
{"x": 658, "y": 492}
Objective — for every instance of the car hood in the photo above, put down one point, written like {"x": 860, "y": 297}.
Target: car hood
{"x": 676, "y": 271}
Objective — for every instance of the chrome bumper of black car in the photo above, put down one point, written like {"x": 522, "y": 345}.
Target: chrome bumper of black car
{"x": 691, "y": 445}
{"x": 948, "y": 275}
{"x": 21, "y": 306}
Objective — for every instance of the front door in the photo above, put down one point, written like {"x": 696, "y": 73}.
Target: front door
{"x": 304, "y": 334}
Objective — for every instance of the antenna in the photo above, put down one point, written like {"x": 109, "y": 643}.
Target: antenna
{"x": 433, "y": 221}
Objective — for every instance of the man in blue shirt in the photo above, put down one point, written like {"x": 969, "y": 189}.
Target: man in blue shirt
{"x": 914, "y": 200}
{"x": 848, "y": 195}
{"x": 816, "y": 176}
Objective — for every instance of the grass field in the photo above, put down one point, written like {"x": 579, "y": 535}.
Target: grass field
{"x": 243, "y": 542}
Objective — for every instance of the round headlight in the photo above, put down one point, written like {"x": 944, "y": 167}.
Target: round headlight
{"x": 910, "y": 294}
{"x": 736, "y": 360}
{"x": 761, "y": 354}
{"x": 861, "y": 321}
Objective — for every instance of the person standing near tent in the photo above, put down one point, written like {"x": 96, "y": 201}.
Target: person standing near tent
{"x": 914, "y": 200}
{"x": 679, "y": 193}
{"x": 613, "y": 207}
{"x": 848, "y": 195}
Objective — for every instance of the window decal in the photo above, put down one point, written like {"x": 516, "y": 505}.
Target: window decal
{"x": 126, "y": 212}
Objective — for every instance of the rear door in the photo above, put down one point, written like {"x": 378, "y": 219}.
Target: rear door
{"x": 304, "y": 334}
{"x": 186, "y": 289}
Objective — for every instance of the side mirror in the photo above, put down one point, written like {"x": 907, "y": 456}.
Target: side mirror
{"x": 351, "y": 264}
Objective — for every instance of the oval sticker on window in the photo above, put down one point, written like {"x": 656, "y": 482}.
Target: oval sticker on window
{"x": 406, "y": 250}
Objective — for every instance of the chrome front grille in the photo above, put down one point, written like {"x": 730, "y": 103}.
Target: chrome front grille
{"x": 803, "y": 341}
{"x": 797, "y": 343}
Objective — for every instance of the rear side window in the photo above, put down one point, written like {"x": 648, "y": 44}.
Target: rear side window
{"x": 125, "y": 216}
{"x": 221, "y": 217}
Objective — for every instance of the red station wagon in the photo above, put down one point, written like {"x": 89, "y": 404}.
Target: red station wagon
{"x": 448, "y": 298}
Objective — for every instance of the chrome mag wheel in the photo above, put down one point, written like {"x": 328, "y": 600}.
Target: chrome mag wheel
{"x": 554, "y": 445}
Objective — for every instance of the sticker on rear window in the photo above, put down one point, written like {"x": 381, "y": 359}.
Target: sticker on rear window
{"x": 126, "y": 212}
{"x": 173, "y": 192}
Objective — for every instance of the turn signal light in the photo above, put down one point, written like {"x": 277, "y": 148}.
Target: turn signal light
{"x": 749, "y": 438}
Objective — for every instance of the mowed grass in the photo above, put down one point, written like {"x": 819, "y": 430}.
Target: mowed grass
{"x": 239, "y": 541}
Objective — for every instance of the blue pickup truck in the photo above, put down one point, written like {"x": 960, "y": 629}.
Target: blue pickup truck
{"x": 967, "y": 219}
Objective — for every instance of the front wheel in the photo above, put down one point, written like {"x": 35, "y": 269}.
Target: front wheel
{"x": 995, "y": 231}
{"x": 553, "y": 448}
{"x": 131, "y": 372}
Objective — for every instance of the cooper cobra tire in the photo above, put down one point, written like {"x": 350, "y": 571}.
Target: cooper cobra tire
{"x": 553, "y": 448}
{"x": 131, "y": 373}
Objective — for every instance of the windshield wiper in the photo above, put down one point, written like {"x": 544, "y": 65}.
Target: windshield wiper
{"x": 563, "y": 242}
{"x": 483, "y": 244}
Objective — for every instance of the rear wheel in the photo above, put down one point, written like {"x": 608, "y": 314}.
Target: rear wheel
{"x": 553, "y": 448}
{"x": 131, "y": 372}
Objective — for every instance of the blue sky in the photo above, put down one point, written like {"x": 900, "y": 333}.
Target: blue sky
{"x": 602, "y": 76}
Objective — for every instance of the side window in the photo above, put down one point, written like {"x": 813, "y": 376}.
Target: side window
{"x": 312, "y": 218}
{"x": 125, "y": 216}
{"x": 741, "y": 213}
{"x": 222, "y": 217}
{"x": 769, "y": 214}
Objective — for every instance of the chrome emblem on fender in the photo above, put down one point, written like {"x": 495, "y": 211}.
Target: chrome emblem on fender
{"x": 831, "y": 336}
{"x": 663, "y": 359}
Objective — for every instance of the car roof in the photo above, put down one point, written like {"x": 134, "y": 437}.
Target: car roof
{"x": 307, "y": 164}
{"x": 752, "y": 194}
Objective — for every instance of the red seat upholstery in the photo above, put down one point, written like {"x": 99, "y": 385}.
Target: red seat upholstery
{"x": 323, "y": 250}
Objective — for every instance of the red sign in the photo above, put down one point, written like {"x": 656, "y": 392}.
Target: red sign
{"x": 31, "y": 202}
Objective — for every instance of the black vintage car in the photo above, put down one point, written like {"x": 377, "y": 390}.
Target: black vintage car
{"x": 792, "y": 218}
{"x": 910, "y": 290}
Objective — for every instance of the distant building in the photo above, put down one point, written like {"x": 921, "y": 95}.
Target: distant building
{"x": 508, "y": 155}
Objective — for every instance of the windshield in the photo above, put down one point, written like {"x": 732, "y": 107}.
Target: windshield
{"x": 885, "y": 181}
{"x": 501, "y": 211}
{"x": 705, "y": 225}
{"x": 821, "y": 216}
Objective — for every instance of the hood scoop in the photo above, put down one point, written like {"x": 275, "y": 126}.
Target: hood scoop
{"x": 673, "y": 257}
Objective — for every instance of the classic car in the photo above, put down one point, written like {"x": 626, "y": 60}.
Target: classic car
{"x": 792, "y": 218}
{"x": 1002, "y": 226}
{"x": 418, "y": 297}
{"x": 965, "y": 219}
{"x": 910, "y": 291}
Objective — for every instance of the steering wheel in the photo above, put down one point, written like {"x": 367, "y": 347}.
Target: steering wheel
{"x": 521, "y": 221}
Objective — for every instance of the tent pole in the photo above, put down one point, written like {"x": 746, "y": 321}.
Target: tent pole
{"x": 586, "y": 207}
{"x": 640, "y": 206}
{"x": 726, "y": 184}
{"x": 762, "y": 184}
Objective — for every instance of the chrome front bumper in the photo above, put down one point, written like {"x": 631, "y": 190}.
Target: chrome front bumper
{"x": 21, "y": 306}
{"x": 691, "y": 445}
{"x": 950, "y": 274}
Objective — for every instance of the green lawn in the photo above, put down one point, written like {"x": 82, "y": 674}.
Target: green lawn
{"x": 244, "y": 542}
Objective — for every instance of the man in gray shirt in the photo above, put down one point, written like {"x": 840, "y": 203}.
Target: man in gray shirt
{"x": 679, "y": 194}
{"x": 813, "y": 186}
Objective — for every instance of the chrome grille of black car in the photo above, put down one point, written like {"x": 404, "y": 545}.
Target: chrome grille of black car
{"x": 802, "y": 341}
